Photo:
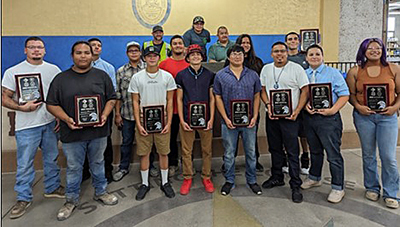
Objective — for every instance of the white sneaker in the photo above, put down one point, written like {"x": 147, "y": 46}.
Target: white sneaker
{"x": 373, "y": 196}
{"x": 336, "y": 196}
{"x": 392, "y": 203}
{"x": 285, "y": 169}
{"x": 308, "y": 183}
{"x": 304, "y": 171}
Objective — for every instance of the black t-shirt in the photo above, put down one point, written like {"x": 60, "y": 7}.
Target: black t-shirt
{"x": 63, "y": 89}
{"x": 195, "y": 87}
{"x": 299, "y": 58}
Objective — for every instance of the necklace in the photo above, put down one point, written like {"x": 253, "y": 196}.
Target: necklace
{"x": 153, "y": 77}
{"x": 194, "y": 73}
{"x": 276, "y": 85}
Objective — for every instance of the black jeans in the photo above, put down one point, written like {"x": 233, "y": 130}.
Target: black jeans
{"x": 325, "y": 133}
{"x": 281, "y": 133}
{"x": 173, "y": 144}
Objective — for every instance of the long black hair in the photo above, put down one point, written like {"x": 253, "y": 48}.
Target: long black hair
{"x": 251, "y": 60}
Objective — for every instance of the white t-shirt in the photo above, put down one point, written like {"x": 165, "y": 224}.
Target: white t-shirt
{"x": 39, "y": 117}
{"x": 152, "y": 87}
{"x": 292, "y": 77}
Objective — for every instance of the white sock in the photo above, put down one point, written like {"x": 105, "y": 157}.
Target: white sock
{"x": 145, "y": 177}
{"x": 164, "y": 176}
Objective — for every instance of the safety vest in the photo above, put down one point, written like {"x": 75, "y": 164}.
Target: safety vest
{"x": 164, "y": 49}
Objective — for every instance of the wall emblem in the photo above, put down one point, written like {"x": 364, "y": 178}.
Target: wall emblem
{"x": 151, "y": 12}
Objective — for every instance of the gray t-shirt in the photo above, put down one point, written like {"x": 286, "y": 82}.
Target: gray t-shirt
{"x": 299, "y": 58}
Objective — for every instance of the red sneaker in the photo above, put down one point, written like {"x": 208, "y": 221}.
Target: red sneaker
{"x": 185, "y": 188}
{"x": 208, "y": 185}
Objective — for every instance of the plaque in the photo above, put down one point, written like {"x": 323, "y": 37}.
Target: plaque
{"x": 376, "y": 96}
{"x": 87, "y": 110}
{"x": 153, "y": 118}
{"x": 281, "y": 102}
{"x": 240, "y": 112}
{"x": 320, "y": 95}
{"x": 308, "y": 37}
{"x": 198, "y": 115}
{"x": 29, "y": 88}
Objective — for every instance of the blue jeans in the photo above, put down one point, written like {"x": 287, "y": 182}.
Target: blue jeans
{"x": 128, "y": 135}
{"x": 379, "y": 130}
{"x": 28, "y": 141}
{"x": 229, "y": 137}
{"x": 325, "y": 133}
{"x": 75, "y": 153}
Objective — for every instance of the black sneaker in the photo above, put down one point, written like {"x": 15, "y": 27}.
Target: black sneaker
{"x": 259, "y": 167}
{"x": 143, "y": 189}
{"x": 272, "y": 182}
{"x": 255, "y": 188}
{"x": 297, "y": 197}
{"x": 168, "y": 190}
{"x": 226, "y": 188}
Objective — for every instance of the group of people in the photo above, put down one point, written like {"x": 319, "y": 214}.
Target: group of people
{"x": 170, "y": 77}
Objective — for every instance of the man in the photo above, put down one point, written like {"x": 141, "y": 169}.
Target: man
{"x": 152, "y": 87}
{"x": 217, "y": 52}
{"x": 324, "y": 126}
{"x": 236, "y": 82}
{"x": 163, "y": 47}
{"x": 198, "y": 35}
{"x": 195, "y": 86}
{"x": 35, "y": 127}
{"x": 284, "y": 74}
{"x": 124, "y": 118}
{"x": 173, "y": 65}
{"x": 79, "y": 142}
{"x": 292, "y": 40}
{"x": 99, "y": 63}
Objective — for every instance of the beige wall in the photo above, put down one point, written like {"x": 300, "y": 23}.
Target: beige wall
{"x": 89, "y": 17}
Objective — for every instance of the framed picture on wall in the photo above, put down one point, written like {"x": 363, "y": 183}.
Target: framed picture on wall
{"x": 308, "y": 37}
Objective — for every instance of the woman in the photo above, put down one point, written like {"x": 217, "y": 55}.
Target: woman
{"x": 252, "y": 62}
{"x": 323, "y": 127}
{"x": 376, "y": 128}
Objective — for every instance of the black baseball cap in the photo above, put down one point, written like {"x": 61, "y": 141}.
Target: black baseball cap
{"x": 157, "y": 28}
{"x": 198, "y": 19}
{"x": 150, "y": 50}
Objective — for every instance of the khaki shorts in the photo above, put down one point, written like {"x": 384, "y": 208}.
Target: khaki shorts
{"x": 144, "y": 143}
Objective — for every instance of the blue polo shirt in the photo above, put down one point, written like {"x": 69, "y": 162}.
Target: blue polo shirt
{"x": 327, "y": 74}
{"x": 229, "y": 87}
{"x": 195, "y": 87}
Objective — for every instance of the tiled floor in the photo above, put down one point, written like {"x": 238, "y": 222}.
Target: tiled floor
{"x": 273, "y": 208}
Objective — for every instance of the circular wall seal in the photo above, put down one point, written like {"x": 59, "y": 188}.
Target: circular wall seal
{"x": 151, "y": 12}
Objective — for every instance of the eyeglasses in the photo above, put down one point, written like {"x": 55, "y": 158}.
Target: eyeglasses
{"x": 35, "y": 47}
{"x": 133, "y": 51}
{"x": 279, "y": 51}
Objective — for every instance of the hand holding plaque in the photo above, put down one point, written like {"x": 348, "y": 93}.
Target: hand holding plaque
{"x": 87, "y": 110}
{"x": 198, "y": 115}
{"x": 153, "y": 118}
{"x": 240, "y": 112}
{"x": 29, "y": 88}
{"x": 320, "y": 96}
{"x": 376, "y": 96}
{"x": 281, "y": 102}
